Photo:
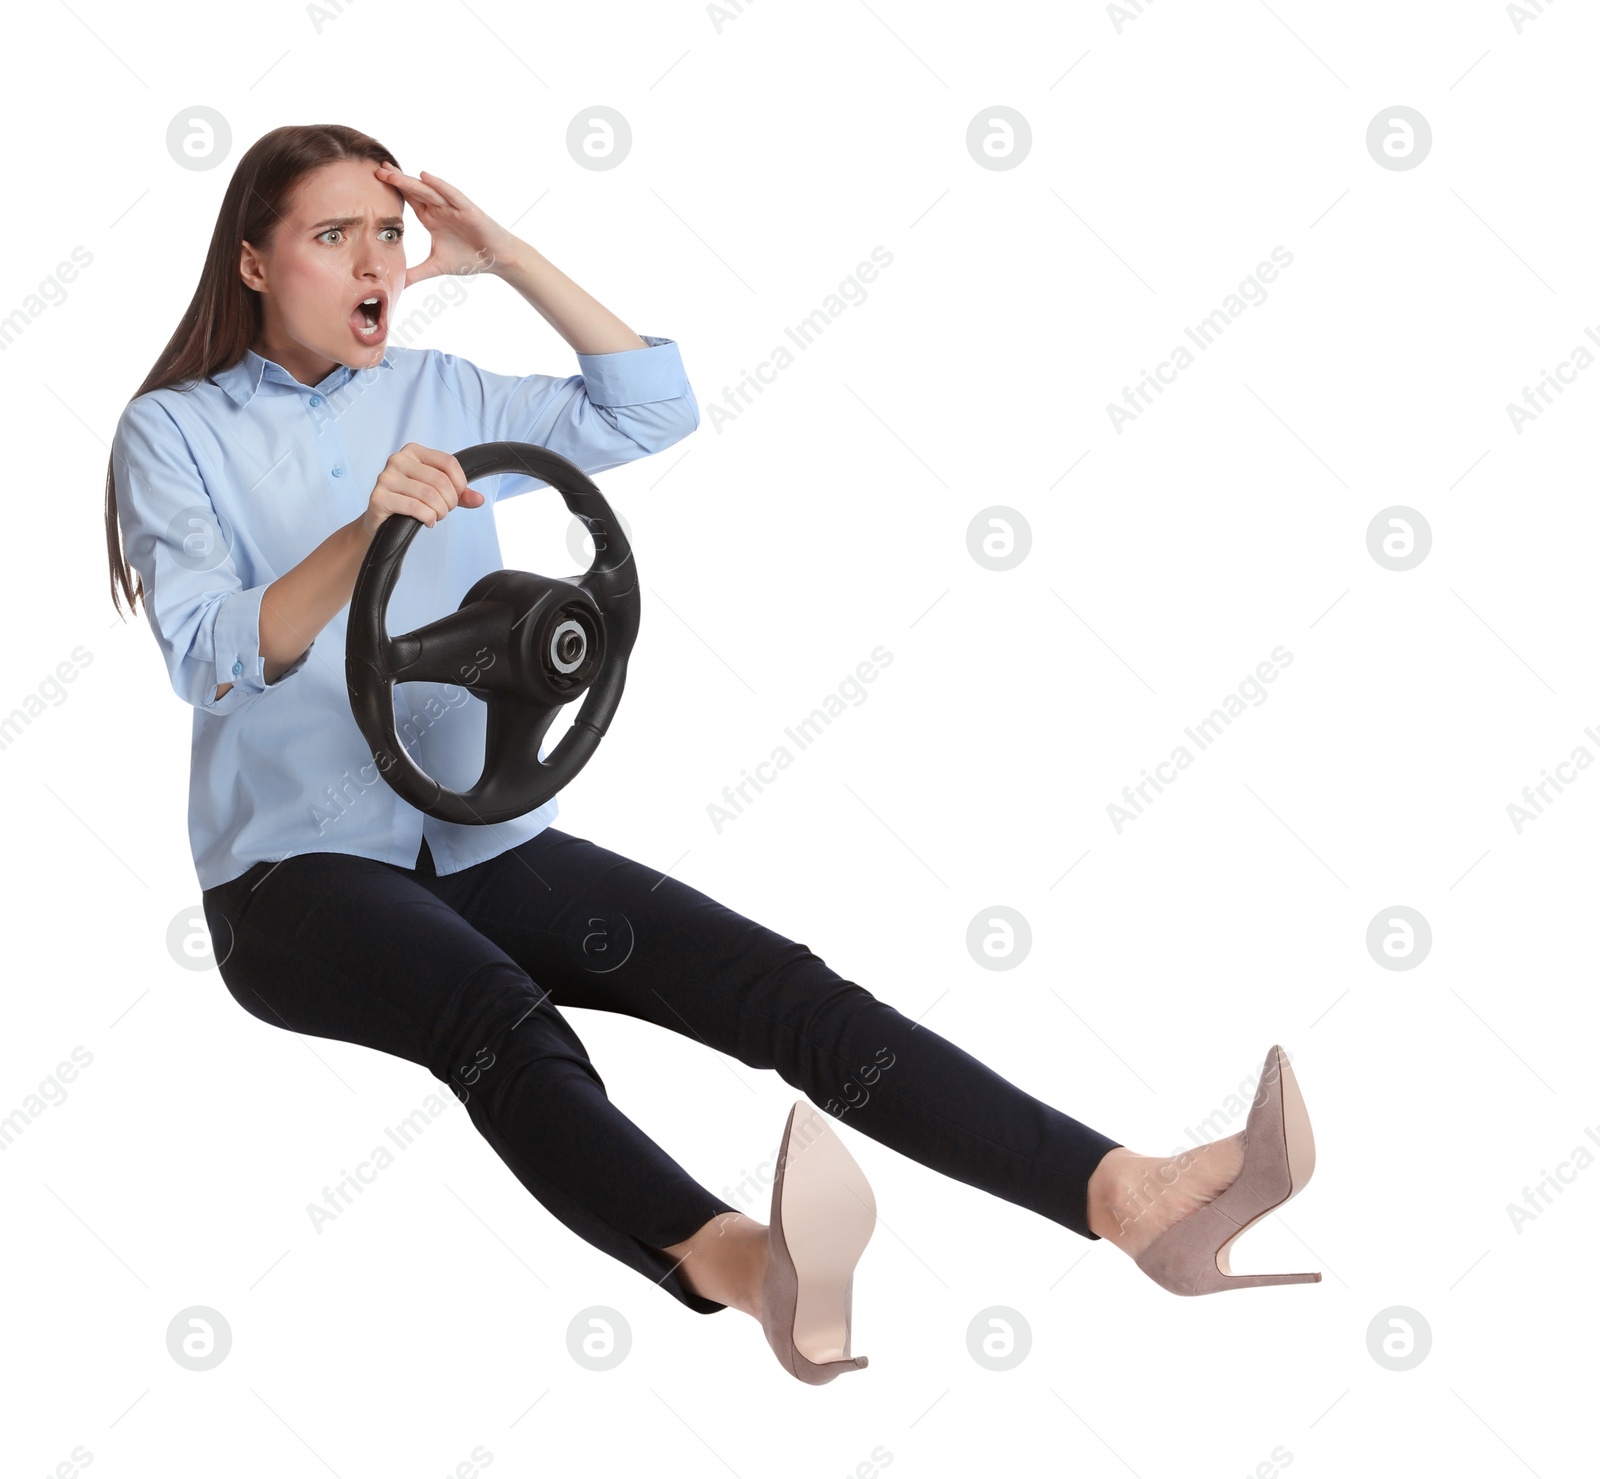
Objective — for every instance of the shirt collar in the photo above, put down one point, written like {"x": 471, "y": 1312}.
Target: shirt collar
{"x": 243, "y": 379}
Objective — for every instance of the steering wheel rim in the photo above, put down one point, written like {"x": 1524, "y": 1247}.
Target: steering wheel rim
{"x": 526, "y": 644}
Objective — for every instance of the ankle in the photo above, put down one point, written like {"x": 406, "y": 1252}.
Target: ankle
{"x": 1107, "y": 1191}
{"x": 1134, "y": 1198}
{"x": 726, "y": 1261}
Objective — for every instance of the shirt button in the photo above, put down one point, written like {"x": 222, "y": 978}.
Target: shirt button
{"x": 316, "y": 400}
{"x": 238, "y": 668}
{"x": 338, "y": 472}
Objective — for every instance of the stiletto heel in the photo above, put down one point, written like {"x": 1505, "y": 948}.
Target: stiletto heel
{"x": 1191, "y": 1256}
{"x": 823, "y": 1213}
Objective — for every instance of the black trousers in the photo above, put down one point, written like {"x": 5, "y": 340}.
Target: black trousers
{"x": 468, "y": 975}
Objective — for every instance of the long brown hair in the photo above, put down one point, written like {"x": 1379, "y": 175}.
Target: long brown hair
{"x": 224, "y": 317}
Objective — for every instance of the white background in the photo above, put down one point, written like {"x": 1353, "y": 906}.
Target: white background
{"x": 772, "y": 151}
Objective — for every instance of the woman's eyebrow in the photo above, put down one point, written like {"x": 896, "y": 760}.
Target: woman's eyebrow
{"x": 384, "y": 223}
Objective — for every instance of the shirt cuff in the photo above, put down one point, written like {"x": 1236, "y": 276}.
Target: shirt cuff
{"x": 236, "y": 639}
{"x": 635, "y": 377}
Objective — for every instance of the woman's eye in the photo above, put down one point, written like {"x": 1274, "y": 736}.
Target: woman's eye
{"x": 399, "y": 232}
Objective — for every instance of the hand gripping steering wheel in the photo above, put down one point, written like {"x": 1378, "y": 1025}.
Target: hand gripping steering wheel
{"x": 526, "y": 644}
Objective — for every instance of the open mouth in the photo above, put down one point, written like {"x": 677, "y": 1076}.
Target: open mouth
{"x": 369, "y": 319}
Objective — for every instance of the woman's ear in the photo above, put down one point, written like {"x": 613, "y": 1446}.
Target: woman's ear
{"x": 250, "y": 267}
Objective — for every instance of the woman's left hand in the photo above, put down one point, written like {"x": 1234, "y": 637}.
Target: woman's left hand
{"x": 465, "y": 240}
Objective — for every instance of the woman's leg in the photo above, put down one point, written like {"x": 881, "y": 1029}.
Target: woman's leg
{"x": 345, "y": 947}
{"x": 605, "y": 932}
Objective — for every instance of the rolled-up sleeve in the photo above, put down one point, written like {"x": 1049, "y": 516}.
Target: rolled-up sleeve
{"x": 622, "y": 406}
{"x": 206, "y": 623}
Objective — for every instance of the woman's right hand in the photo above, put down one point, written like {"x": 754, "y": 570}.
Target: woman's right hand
{"x": 421, "y": 481}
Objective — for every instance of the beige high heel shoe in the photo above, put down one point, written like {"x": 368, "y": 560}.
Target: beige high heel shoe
{"x": 823, "y": 1213}
{"x": 1191, "y": 1256}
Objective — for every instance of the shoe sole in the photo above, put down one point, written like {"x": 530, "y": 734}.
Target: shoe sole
{"x": 829, "y": 1213}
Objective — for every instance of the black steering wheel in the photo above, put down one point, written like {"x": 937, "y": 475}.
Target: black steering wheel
{"x": 526, "y": 644}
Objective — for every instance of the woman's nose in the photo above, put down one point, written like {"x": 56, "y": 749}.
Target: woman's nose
{"x": 371, "y": 264}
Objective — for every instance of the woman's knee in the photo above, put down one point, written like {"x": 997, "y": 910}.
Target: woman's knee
{"x": 497, "y": 1023}
{"x": 796, "y": 1014}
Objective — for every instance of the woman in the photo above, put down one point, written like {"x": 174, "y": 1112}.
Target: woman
{"x": 248, "y": 477}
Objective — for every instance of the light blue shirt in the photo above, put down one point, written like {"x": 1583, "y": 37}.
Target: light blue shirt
{"x": 226, "y": 483}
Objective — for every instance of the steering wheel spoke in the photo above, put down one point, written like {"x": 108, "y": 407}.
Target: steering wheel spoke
{"x": 513, "y": 732}
{"x": 470, "y": 647}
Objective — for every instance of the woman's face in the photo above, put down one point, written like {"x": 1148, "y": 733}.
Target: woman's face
{"x": 341, "y": 241}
